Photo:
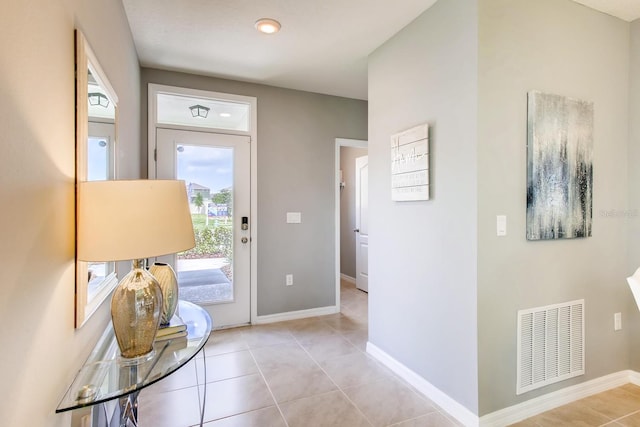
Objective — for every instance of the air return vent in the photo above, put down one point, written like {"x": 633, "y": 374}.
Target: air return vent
{"x": 550, "y": 344}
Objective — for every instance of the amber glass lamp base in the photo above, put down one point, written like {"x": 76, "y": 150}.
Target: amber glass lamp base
{"x": 135, "y": 311}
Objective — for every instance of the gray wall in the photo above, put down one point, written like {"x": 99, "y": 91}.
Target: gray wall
{"x": 422, "y": 259}
{"x": 348, "y": 209}
{"x": 42, "y": 351}
{"x": 633, "y": 319}
{"x": 559, "y": 47}
{"x": 296, "y": 144}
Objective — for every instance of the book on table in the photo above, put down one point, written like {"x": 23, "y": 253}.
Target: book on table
{"x": 172, "y": 342}
{"x": 167, "y": 337}
{"x": 176, "y": 324}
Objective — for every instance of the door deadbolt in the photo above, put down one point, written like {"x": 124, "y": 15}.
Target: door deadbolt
{"x": 245, "y": 223}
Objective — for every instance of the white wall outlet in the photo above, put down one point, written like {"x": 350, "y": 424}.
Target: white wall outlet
{"x": 294, "y": 217}
{"x": 617, "y": 321}
{"x": 288, "y": 279}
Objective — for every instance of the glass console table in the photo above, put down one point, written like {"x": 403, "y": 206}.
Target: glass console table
{"x": 105, "y": 376}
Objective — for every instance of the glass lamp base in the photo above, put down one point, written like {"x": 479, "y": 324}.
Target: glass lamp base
{"x": 135, "y": 312}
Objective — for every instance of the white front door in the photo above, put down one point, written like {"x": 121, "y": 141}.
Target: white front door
{"x": 362, "y": 223}
{"x": 216, "y": 170}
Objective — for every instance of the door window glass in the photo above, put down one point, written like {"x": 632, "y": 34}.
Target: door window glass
{"x": 205, "y": 273}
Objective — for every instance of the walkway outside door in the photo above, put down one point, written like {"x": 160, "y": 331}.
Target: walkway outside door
{"x": 216, "y": 170}
{"x": 362, "y": 223}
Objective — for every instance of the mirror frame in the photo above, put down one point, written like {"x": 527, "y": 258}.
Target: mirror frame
{"x": 86, "y": 62}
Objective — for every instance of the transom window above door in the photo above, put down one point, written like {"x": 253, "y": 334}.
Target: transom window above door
{"x": 201, "y": 112}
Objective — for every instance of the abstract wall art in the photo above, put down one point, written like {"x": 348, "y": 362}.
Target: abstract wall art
{"x": 559, "y": 167}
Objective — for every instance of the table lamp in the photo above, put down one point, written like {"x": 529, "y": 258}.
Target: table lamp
{"x": 133, "y": 220}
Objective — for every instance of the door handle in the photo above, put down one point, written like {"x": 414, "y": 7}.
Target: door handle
{"x": 244, "y": 240}
{"x": 356, "y": 230}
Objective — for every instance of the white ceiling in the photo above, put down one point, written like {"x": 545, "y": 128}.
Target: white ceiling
{"x": 629, "y": 10}
{"x": 322, "y": 47}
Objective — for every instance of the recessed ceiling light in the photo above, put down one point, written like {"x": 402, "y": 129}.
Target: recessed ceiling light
{"x": 267, "y": 25}
{"x": 225, "y": 115}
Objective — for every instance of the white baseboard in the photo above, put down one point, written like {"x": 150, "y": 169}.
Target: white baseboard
{"x": 538, "y": 405}
{"x": 512, "y": 414}
{"x": 294, "y": 315}
{"x": 452, "y": 407}
{"x": 347, "y": 278}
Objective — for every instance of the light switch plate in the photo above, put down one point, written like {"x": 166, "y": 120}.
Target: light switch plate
{"x": 501, "y": 225}
{"x": 294, "y": 217}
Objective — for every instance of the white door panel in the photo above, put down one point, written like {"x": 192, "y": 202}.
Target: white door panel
{"x": 216, "y": 169}
{"x": 362, "y": 223}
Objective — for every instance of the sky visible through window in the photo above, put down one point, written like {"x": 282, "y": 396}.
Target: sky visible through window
{"x": 211, "y": 167}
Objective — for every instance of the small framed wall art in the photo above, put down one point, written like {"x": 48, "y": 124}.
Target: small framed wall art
{"x": 410, "y": 164}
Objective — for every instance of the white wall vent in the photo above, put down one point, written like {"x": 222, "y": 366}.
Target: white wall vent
{"x": 550, "y": 344}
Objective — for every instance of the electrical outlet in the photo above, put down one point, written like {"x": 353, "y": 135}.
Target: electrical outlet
{"x": 617, "y": 321}
{"x": 289, "y": 279}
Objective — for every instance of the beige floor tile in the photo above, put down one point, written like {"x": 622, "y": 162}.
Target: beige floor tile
{"x": 182, "y": 378}
{"x": 225, "y": 366}
{"x": 353, "y": 370}
{"x": 235, "y": 396}
{"x": 526, "y": 423}
{"x": 305, "y": 332}
{"x": 282, "y": 356}
{"x": 179, "y": 408}
{"x": 614, "y": 403}
{"x": 267, "y": 417}
{"x": 574, "y": 414}
{"x": 265, "y": 335}
{"x": 344, "y": 323}
{"x": 388, "y": 401}
{"x": 326, "y": 410}
{"x": 328, "y": 347}
{"x": 352, "y": 297}
{"x": 434, "y": 419}
{"x": 290, "y": 384}
{"x": 631, "y": 388}
{"x": 356, "y": 312}
{"x": 225, "y": 341}
{"x": 632, "y": 420}
{"x": 358, "y": 338}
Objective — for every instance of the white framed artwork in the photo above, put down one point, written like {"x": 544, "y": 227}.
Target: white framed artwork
{"x": 410, "y": 164}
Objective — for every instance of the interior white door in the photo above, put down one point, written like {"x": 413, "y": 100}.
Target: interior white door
{"x": 362, "y": 223}
{"x": 216, "y": 170}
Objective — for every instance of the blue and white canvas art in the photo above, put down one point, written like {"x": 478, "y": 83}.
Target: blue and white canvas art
{"x": 559, "y": 167}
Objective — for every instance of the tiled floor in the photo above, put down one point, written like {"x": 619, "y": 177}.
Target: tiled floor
{"x": 309, "y": 373}
{"x": 614, "y": 408}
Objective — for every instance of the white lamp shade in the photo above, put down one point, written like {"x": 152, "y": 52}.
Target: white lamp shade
{"x": 634, "y": 284}
{"x": 124, "y": 220}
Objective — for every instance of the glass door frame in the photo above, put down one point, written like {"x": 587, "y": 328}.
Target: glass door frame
{"x": 153, "y": 91}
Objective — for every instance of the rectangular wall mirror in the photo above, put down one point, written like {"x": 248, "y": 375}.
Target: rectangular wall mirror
{"x": 96, "y": 136}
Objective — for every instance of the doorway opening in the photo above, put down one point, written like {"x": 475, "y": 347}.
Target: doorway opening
{"x": 346, "y": 151}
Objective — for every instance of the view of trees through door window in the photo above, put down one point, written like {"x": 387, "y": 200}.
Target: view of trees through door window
{"x": 205, "y": 272}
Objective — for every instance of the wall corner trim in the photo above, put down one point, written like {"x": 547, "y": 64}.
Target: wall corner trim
{"x": 546, "y": 402}
{"x": 451, "y": 406}
{"x": 294, "y": 315}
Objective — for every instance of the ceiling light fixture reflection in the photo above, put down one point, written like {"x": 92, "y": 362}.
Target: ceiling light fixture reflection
{"x": 267, "y": 26}
{"x": 225, "y": 115}
{"x": 97, "y": 98}
{"x": 199, "y": 111}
